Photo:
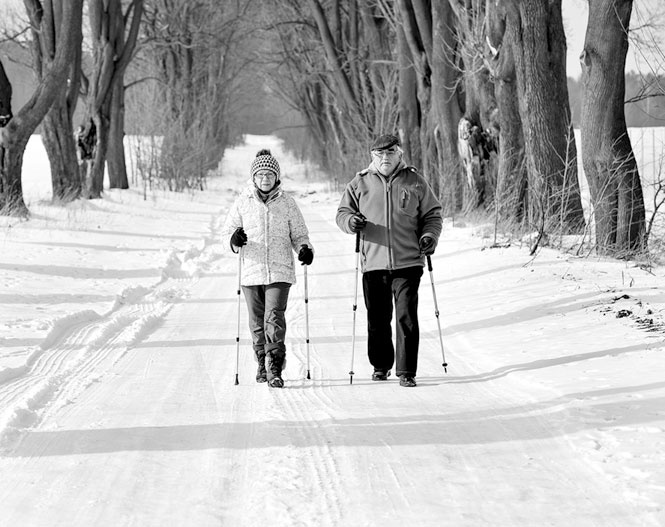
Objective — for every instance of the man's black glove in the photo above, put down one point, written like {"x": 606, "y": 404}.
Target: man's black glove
{"x": 305, "y": 255}
{"x": 239, "y": 238}
{"x": 357, "y": 222}
{"x": 427, "y": 246}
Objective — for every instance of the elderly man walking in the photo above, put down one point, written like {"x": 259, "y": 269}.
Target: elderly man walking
{"x": 399, "y": 219}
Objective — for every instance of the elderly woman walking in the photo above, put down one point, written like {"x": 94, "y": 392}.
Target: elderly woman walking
{"x": 266, "y": 224}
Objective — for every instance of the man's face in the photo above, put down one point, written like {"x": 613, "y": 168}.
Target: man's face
{"x": 387, "y": 160}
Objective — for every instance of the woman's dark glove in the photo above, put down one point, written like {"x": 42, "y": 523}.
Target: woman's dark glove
{"x": 357, "y": 222}
{"x": 239, "y": 238}
{"x": 305, "y": 255}
{"x": 427, "y": 246}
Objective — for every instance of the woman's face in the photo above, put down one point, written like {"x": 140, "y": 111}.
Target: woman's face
{"x": 265, "y": 180}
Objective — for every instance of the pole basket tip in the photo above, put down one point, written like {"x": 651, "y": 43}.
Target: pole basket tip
{"x": 237, "y": 383}
{"x": 351, "y": 377}
{"x": 308, "y": 375}
{"x": 445, "y": 367}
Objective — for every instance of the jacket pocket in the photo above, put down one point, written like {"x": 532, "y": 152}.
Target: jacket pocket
{"x": 408, "y": 202}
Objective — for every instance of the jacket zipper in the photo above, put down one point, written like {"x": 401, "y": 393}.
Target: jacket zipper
{"x": 267, "y": 234}
{"x": 388, "y": 223}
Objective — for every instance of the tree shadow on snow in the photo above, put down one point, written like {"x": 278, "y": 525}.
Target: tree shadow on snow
{"x": 556, "y": 361}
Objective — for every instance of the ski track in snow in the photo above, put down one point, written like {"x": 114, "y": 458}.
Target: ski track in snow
{"x": 82, "y": 346}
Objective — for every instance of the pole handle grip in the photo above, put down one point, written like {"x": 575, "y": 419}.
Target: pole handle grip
{"x": 358, "y": 242}
{"x": 429, "y": 264}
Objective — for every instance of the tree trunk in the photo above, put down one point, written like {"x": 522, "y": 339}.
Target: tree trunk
{"x": 58, "y": 124}
{"x": 5, "y": 98}
{"x": 5, "y": 136}
{"x": 409, "y": 111}
{"x": 382, "y": 73}
{"x": 112, "y": 52}
{"x": 446, "y": 111}
{"x": 93, "y": 185}
{"x": 479, "y": 102}
{"x": 539, "y": 52}
{"x": 12, "y": 148}
{"x": 14, "y": 137}
{"x": 116, "y": 152}
{"x": 609, "y": 162}
{"x": 415, "y": 24}
{"x": 332, "y": 56}
{"x": 511, "y": 191}
{"x": 58, "y": 139}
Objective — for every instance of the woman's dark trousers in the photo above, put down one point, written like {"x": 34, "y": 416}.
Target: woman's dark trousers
{"x": 267, "y": 323}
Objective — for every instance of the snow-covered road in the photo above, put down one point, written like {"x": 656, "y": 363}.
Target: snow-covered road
{"x": 138, "y": 422}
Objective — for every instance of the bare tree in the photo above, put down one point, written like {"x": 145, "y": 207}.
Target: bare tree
{"x": 538, "y": 49}
{"x": 113, "y": 42}
{"x": 126, "y": 42}
{"x": 479, "y": 127}
{"x": 446, "y": 109}
{"x": 334, "y": 62}
{"x": 511, "y": 187}
{"x": 609, "y": 162}
{"x": 364, "y": 68}
{"x": 197, "y": 51}
{"x": 57, "y": 125}
{"x": 340, "y": 75}
{"x": 16, "y": 134}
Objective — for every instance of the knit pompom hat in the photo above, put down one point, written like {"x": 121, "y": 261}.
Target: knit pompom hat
{"x": 264, "y": 161}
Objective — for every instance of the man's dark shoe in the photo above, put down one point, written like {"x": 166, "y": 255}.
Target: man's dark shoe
{"x": 276, "y": 382}
{"x": 380, "y": 375}
{"x": 407, "y": 381}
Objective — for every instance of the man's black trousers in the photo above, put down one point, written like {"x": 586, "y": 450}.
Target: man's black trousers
{"x": 380, "y": 289}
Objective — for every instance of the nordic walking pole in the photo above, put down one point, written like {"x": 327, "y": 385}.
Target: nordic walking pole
{"x": 238, "y": 332}
{"x": 306, "y": 320}
{"x": 436, "y": 312}
{"x": 355, "y": 307}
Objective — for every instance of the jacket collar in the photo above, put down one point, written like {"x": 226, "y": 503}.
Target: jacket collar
{"x": 265, "y": 198}
{"x": 373, "y": 170}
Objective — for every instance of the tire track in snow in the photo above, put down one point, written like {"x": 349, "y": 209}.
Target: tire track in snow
{"x": 321, "y": 459}
{"x": 284, "y": 449}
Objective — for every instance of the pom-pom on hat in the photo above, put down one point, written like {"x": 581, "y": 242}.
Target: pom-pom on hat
{"x": 385, "y": 141}
{"x": 264, "y": 161}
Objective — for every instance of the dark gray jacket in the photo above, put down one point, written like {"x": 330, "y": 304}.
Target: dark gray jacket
{"x": 400, "y": 210}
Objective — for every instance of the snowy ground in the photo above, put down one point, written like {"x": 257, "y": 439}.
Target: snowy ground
{"x": 117, "y": 364}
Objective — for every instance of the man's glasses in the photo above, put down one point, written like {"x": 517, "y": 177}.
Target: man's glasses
{"x": 389, "y": 152}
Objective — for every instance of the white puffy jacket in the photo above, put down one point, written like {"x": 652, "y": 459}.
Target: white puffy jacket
{"x": 275, "y": 229}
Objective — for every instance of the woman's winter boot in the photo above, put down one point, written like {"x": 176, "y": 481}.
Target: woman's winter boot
{"x": 275, "y": 364}
{"x": 261, "y": 374}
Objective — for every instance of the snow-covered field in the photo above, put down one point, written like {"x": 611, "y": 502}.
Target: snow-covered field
{"x": 118, "y": 406}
